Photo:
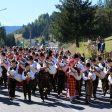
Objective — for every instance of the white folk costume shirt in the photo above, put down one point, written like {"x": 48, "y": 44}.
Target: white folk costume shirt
{"x": 5, "y": 62}
{"x": 110, "y": 79}
{"x": 101, "y": 66}
{"x": 85, "y": 78}
{"x": 31, "y": 73}
{"x": 80, "y": 66}
{"x": 36, "y": 66}
{"x": 55, "y": 60}
{"x": 16, "y": 71}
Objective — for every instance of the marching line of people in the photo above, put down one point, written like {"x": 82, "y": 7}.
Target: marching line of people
{"x": 54, "y": 70}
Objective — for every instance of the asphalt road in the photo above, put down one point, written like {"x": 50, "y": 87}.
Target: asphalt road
{"x": 53, "y": 104}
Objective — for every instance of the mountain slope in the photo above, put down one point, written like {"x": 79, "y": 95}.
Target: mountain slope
{"x": 10, "y": 29}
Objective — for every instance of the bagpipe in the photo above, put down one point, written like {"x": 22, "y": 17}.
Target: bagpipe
{"x": 73, "y": 71}
{"x": 15, "y": 75}
{"x": 101, "y": 74}
{"x": 51, "y": 68}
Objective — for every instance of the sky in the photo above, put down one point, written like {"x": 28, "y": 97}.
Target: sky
{"x": 21, "y": 12}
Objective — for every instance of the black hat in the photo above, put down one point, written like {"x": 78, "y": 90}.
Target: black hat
{"x": 30, "y": 58}
{"x": 75, "y": 56}
{"x": 3, "y": 54}
{"x": 65, "y": 57}
{"x": 26, "y": 64}
{"x": 109, "y": 60}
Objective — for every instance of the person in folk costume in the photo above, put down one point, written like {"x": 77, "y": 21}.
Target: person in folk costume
{"x": 81, "y": 67}
{"x": 52, "y": 76}
{"x": 88, "y": 77}
{"x": 78, "y": 81}
{"x": 110, "y": 78}
{"x": 11, "y": 81}
{"x": 60, "y": 75}
{"x": 21, "y": 68}
{"x": 36, "y": 57}
{"x": 33, "y": 66}
{"x": 65, "y": 62}
{"x": 71, "y": 89}
{"x": 96, "y": 81}
{"x": 102, "y": 66}
{"x": 4, "y": 65}
{"x": 27, "y": 77}
{"x": 110, "y": 85}
{"x": 43, "y": 79}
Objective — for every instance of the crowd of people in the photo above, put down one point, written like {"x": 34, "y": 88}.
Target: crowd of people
{"x": 52, "y": 70}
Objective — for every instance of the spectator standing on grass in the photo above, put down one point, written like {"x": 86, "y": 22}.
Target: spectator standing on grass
{"x": 102, "y": 46}
{"x": 98, "y": 41}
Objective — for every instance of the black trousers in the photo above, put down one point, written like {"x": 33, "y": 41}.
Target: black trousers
{"x": 80, "y": 83}
{"x": 105, "y": 85}
{"x": 44, "y": 85}
{"x": 89, "y": 89}
{"x": 3, "y": 79}
{"x": 11, "y": 87}
{"x": 53, "y": 82}
{"x": 95, "y": 86}
{"x": 27, "y": 86}
{"x": 60, "y": 81}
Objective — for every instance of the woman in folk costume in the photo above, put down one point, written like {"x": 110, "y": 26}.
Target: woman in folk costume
{"x": 71, "y": 91}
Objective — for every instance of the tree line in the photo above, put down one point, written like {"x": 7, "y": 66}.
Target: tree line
{"x": 6, "y": 39}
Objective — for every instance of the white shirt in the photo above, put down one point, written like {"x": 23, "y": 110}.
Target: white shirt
{"x": 101, "y": 66}
{"x": 16, "y": 71}
{"x": 110, "y": 79}
{"x": 36, "y": 66}
{"x": 85, "y": 78}
{"x": 31, "y": 73}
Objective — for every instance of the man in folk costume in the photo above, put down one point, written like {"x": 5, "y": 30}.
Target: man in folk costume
{"x": 110, "y": 84}
{"x": 4, "y": 65}
{"x": 96, "y": 81}
{"x": 110, "y": 78}
{"x": 11, "y": 81}
{"x": 49, "y": 63}
{"x": 60, "y": 75}
{"x": 43, "y": 78}
{"x": 71, "y": 91}
{"x": 21, "y": 68}
{"x": 27, "y": 77}
{"x": 102, "y": 66}
{"x": 88, "y": 77}
{"x": 78, "y": 71}
{"x": 34, "y": 68}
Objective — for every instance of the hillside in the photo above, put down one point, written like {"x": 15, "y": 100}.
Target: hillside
{"x": 83, "y": 47}
{"x": 10, "y": 29}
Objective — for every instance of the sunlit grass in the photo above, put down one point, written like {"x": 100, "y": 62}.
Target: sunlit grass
{"x": 83, "y": 47}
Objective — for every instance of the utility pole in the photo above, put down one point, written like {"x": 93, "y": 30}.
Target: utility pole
{"x": 30, "y": 35}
